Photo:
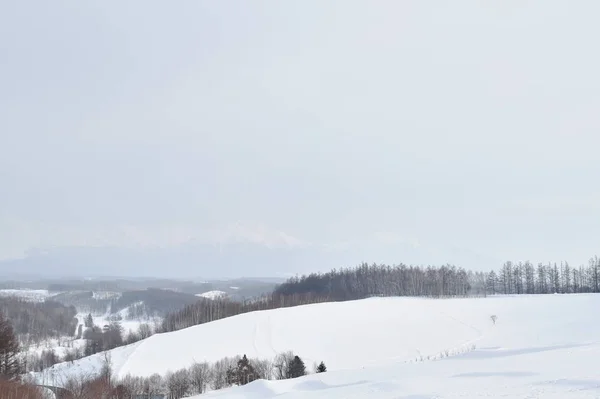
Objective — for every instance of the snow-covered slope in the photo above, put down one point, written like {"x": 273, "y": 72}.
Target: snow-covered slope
{"x": 213, "y": 294}
{"x": 380, "y": 347}
{"x": 26, "y": 294}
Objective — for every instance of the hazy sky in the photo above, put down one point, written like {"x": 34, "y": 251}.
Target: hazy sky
{"x": 469, "y": 126}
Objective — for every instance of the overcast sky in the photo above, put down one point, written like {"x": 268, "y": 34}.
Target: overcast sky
{"x": 469, "y": 126}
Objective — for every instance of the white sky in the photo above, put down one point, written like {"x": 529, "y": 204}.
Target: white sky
{"x": 455, "y": 126}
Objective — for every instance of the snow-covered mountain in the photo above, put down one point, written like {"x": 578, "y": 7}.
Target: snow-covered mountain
{"x": 392, "y": 347}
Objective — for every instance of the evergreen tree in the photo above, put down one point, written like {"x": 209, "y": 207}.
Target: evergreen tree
{"x": 9, "y": 350}
{"x": 321, "y": 368}
{"x": 296, "y": 368}
{"x": 89, "y": 321}
{"x": 245, "y": 372}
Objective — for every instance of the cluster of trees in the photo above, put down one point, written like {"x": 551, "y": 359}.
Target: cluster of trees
{"x": 103, "y": 338}
{"x": 34, "y": 322}
{"x": 379, "y": 280}
{"x": 205, "y": 310}
{"x": 525, "y": 278}
{"x": 18, "y": 390}
{"x": 97, "y": 340}
{"x": 221, "y": 374}
{"x": 195, "y": 380}
{"x": 38, "y": 362}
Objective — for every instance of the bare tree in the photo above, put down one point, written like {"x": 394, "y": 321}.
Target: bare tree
{"x": 178, "y": 384}
{"x": 281, "y": 365}
{"x": 263, "y": 368}
{"x": 144, "y": 331}
{"x": 200, "y": 377}
{"x": 221, "y": 374}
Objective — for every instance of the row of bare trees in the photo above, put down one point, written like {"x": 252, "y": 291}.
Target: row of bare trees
{"x": 194, "y": 380}
{"x": 380, "y": 280}
{"x": 224, "y": 373}
{"x": 550, "y": 278}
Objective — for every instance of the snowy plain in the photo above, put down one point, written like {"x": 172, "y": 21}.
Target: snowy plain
{"x": 410, "y": 348}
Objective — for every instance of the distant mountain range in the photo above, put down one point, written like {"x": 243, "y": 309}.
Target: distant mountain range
{"x": 203, "y": 261}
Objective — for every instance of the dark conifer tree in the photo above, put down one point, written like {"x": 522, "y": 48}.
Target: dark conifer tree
{"x": 245, "y": 372}
{"x": 89, "y": 321}
{"x": 9, "y": 351}
{"x": 296, "y": 368}
{"x": 321, "y": 368}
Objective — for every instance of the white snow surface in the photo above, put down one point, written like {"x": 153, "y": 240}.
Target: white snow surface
{"x": 541, "y": 347}
{"x": 212, "y": 294}
{"x": 27, "y": 294}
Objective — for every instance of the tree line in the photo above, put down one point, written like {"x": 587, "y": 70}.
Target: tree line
{"x": 337, "y": 285}
{"x": 194, "y": 380}
{"x": 379, "y": 280}
{"x": 525, "y": 278}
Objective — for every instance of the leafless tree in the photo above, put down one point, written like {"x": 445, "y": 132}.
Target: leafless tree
{"x": 144, "y": 330}
{"x": 281, "y": 365}
{"x": 263, "y": 368}
{"x": 200, "y": 377}
{"x": 178, "y": 384}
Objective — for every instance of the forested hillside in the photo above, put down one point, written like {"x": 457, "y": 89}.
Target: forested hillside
{"x": 37, "y": 321}
{"x": 400, "y": 280}
{"x": 151, "y": 302}
{"x": 337, "y": 285}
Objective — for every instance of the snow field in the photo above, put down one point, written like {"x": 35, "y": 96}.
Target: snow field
{"x": 541, "y": 346}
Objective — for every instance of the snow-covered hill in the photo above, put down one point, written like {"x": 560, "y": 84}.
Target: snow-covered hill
{"x": 26, "y": 294}
{"x": 214, "y": 294}
{"x": 395, "y": 347}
